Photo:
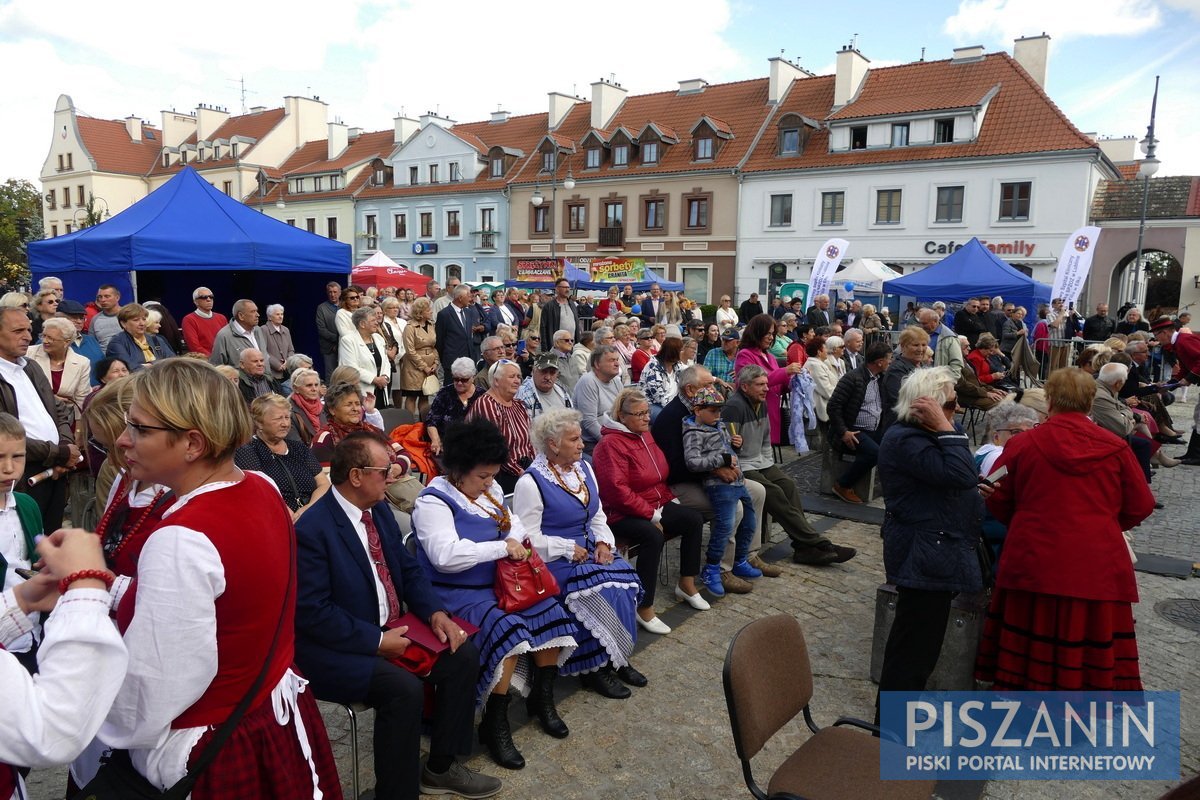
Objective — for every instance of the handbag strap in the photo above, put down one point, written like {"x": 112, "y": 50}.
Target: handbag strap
{"x": 184, "y": 787}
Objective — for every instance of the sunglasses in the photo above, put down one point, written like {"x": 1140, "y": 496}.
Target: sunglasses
{"x": 463, "y": 380}
{"x": 204, "y": 297}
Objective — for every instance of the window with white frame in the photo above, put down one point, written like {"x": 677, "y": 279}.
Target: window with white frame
{"x": 696, "y": 283}
{"x": 650, "y": 153}
{"x": 455, "y": 172}
{"x": 1014, "y": 201}
{"x": 593, "y": 158}
{"x": 620, "y": 155}
{"x": 400, "y": 225}
{"x": 454, "y": 223}
{"x": 949, "y": 204}
{"x": 426, "y": 222}
{"x": 433, "y": 173}
{"x": 900, "y": 134}
{"x": 887, "y": 207}
{"x": 833, "y": 208}
{"x": 781, "y": 210}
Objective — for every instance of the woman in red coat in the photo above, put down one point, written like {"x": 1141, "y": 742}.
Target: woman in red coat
{"x": 985, "y": 347}
{"x": 1061, "y": 617}
{"x": 631, "y": 473}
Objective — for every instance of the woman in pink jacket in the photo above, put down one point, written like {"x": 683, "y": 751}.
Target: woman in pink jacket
{"x": 631, "y": 473}
{"x": 755, "y": 348}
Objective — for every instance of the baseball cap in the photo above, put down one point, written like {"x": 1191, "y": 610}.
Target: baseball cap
{"x": 707, "y": 397}
{"x": 731, "y": 335}
{"x": 546, "y": 361}
{"x": 71, "y": 308}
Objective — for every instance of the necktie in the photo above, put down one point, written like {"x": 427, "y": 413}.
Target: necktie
{"x": 375, "y": 550}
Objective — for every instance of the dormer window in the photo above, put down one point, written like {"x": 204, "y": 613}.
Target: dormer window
{"x": 789, "y": 142}
{"x": 233, "y": 150}
{"x": 414, "y": 176}
{"x": 858, "y": 137}
{"x": 900, "y": 134}
{"x": 497, "y": 170}
{"x": 650, "y": 153}
{"x": 378, "y": 177}
{"x": 593, "y": 158}
{"x": 943, "y": 130}
{"x": 549, "y": 161}
{"x": 455, "y": 172}
{"x": 620, "y": 155}
{"x": 704, "y": 148}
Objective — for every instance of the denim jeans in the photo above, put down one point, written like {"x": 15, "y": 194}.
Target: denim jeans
{"x": 725, "y": 498}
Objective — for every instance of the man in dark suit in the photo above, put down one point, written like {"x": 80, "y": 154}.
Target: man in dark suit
{"x": 651, "y": 307}
{"x": 327, "y": 335}
{"x": 853, "y": 354}
{"x": 456, "y": 327}
{"x": 354, "y": 576}
{"x": 819, "y": 316}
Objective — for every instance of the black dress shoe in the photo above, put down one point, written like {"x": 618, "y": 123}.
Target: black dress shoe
{"x": 631, "y": 676}
{"x": 604, "y": 683}
{"x": 1190, "y": 462}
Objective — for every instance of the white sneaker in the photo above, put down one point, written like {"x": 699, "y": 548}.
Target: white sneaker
{"x": 653, "y": 625}
{"x": 694, "y": 600}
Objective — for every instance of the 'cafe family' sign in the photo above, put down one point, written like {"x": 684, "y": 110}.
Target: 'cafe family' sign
{"x": 1018, "y": 248}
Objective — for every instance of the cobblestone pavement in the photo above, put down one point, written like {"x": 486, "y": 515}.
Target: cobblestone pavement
{"x": 672, "y": 739}
{"x": 1172, "y": 531}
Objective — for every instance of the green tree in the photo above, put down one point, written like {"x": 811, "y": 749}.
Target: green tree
{"x": 20, "y": 223}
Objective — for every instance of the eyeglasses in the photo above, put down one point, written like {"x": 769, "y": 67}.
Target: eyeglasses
{"x": 1011, "y": 431}
{"x": 641, "y": 414}
{"x": 463, "y": 380}
{"x": 143, "y": 430}
{"x": 51, "y": 300}
{"x": 352, "y": 297}
{"x": 204, "y": 297}
{"x": 384, "y": 470}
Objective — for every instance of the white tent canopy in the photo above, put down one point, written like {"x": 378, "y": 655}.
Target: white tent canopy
{"x": 379, "y": 259}
{"x": 866, "y": 274}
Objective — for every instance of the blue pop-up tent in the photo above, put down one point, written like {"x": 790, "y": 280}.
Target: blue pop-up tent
{"x": 186, "y": 234}
{"x": 971, "y": 271}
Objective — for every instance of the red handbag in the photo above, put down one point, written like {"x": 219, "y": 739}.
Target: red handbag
{"x": 522, "y": 584}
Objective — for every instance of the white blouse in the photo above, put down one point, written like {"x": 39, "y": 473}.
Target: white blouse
{"x": 433, "y": 523}
{"x": 528, "y": 505}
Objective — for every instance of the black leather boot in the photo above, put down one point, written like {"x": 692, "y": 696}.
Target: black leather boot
{"x": 604, "y": 682}
{"x": 540, "y": 702}
{"x": 1192, "y": 457}
{"x": 496, "y": 734}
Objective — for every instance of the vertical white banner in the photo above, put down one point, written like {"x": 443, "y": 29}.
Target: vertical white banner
{"x": 1075, "y": 263}
{"x": 828, "y": 259}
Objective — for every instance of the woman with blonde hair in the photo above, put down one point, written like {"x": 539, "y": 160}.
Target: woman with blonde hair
{"x": 212, "y": 613}
{"x": 289, "y": 464}
{"x": 420, "y": 355}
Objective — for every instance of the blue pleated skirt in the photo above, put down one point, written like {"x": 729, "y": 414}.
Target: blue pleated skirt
{"x": 602, "y": 601}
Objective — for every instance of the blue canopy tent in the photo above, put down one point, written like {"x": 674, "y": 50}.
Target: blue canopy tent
{"x": 971, "y": 271}
{"x": 187, "y": 225}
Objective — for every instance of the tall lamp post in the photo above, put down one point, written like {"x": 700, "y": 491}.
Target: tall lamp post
{"x": 1146, "y": 170}
{"x": 538, "y": 198}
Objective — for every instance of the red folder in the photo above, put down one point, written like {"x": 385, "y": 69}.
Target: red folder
{"x": 421, "y": 634}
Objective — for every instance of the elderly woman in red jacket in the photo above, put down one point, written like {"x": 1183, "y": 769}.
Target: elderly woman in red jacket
{"x": 631, "y": 473}
{"x": 1061, "y": 617}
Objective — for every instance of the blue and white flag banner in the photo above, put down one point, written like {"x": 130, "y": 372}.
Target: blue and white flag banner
{"x": 1092, "y": 736}
{"x": 828, "y": 259}
{"x": 1075, "y": 263}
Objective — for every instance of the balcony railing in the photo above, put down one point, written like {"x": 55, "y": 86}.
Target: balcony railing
{"x": 485, "y": 240}
{"x": 612, "y": 237}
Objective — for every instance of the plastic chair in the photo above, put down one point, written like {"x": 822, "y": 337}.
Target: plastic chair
{"x": 768, "y": 681}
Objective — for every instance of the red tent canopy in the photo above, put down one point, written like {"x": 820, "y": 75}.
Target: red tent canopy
{"x": 381, "y": 271}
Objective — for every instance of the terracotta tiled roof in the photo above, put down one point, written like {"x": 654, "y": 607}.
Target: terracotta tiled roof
{"x": 908, "y": 89}
{"x": 1020, "y": 118}
{"x": 736, "y": 109}
{"x": 252, "y": 126}
{"x": 310, "y": 159}
{"x": 665, "y": 131}
{"x": 520, "y": 133}
{"x": 1128, "y": 171}
{"x": 109, "y": 144}
{"x": 1170, "y": 198}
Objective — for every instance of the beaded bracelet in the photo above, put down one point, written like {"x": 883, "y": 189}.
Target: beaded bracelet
{"x": 86, "y": 574}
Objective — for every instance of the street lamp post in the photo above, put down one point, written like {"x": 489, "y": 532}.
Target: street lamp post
{"x": 538, "y": 198}
{"x": 1146, "y": 170}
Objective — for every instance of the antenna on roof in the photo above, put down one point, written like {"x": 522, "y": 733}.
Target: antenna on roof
{"x": 854, "y": 42}
{"x": 242, "y": 90}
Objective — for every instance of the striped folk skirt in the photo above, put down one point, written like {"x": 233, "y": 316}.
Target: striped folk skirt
{"x": 602, "y": 600}
{"x": 1043, "y": 642}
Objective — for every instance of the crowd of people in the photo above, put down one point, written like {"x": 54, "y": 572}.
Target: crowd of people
{"x": 585, "y": 435}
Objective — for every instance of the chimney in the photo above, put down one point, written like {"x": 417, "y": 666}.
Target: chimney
{"x": 1121, "y": 150}
{"x": 1032, "y": 52}
{"x": 355, "y": 133}
{"x": 560, "y": 105}
{"x": 606, "y": 101}
{"x": 176, "y": 128}
{"x": 436, "y": 119}
{"x": 133, "y": 126}
{"x": 257, "y": 109}
{"x": 852, "y": 68}
{"x": 972, "y": 53}
{"x": 692, "y": 86}
{"x": 783, "y": 72}
{"x": 500, "y": 115}
{"x": 405, "y": 127}
{"x": 339, "y": 137}
{"x": 208, "y": 119}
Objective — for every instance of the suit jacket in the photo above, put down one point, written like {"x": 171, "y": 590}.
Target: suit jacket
{"x": 123, "y": 346}
{"x": 337, "y": 609}
{"x": 818, "y": 318}
{"x": 1111, "y": 413}
{"x": 453, "y": 340}
{"x": 495, "y": 318}
{"x": 327, "y": 332}
{"x": 40, "y": 455}
{"x": 279, "y": 349}
{"x": 652, "y": 311}
{"x": 853, "y": 360}
{"x": 353, "y": 352}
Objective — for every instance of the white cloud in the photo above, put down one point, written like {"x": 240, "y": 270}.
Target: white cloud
{"x": 1001, "y": 21}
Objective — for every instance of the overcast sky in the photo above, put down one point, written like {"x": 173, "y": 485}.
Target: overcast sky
{"x": 370, "y": 59}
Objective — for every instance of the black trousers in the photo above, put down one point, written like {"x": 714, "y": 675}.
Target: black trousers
{"x": 915, "y": 642}
{"x": 398, "y": 698}
{"x": 1142, "y": 452}
{"x": 686, "y": 523}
